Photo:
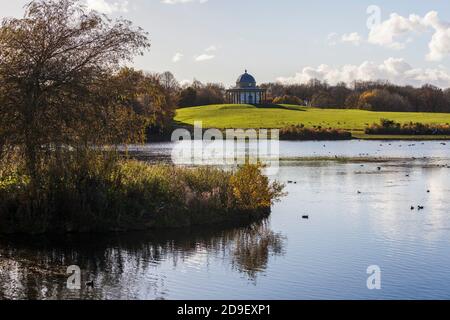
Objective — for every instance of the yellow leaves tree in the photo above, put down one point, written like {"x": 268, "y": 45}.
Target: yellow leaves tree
{"x": 260, "y": 193}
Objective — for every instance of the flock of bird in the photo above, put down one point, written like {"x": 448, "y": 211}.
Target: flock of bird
{"x": 419, "y": 207}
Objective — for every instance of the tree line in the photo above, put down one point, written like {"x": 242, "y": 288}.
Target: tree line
{"x": 366, "y": 95}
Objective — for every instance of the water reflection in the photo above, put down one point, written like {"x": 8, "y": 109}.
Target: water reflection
{"x": 252, "y": 249}
{"x": 359, "y": 215}
{"x": 131, "y": 266}
{"x": 297, "y": 149}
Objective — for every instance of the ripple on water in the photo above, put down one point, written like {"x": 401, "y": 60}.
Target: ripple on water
{"x": 324, "y": 257}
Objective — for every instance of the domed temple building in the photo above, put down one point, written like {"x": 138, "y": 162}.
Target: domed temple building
{"x": 246, "y": 91}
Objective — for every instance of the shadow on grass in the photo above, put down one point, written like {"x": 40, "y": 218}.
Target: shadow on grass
{"x": 279, "y": 106}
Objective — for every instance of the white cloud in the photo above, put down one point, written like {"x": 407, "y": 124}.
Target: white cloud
{"x": 211, "y": 48}
{"x": 204, "y": 57}
{"x": 182, "y": 1}
{"x": 186, "y": 82}
{"x": 107, "y": 7}
{"x": 353, "y": 38}
{"x": 396, "y": 31}
{"x": 395, "y": 70}
{"x": 207, "y": 55}
{"x": 177, "y": 57}
{"x": 332, "y": 38}
{"x": 390, "y": 32}
{"x": 439, "y": 46}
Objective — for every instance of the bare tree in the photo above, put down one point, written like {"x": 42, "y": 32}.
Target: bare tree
{"x": 169, "y": 83}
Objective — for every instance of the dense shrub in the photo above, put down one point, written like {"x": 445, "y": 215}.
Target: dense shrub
{"x": 287, "y": 99}
{"x": 300, "y": 132}
{"x": 252, "y": 190}
{"x": 199, "y": 94}
{"x": 188, "y": 97}
{"x": 322, "y": 99}
{"x": 391, "y": 127}
{"x": 121, "y": 195}
{"x": 382, "y": 100}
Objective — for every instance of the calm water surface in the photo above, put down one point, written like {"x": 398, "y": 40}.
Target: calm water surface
{"x": 284, "y": 257}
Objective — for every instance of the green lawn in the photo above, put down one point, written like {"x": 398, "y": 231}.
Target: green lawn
{"x": 248, "y": 116}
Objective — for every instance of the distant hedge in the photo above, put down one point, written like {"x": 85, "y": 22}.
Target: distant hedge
{"x": 391, "y": 127}
{"x": 300, "y": 132}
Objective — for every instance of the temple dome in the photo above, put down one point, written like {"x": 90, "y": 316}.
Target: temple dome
{"x": 246, "y": 80}
{"x": 246, "y": 91}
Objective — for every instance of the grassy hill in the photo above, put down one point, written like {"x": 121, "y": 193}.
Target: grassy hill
{"x": 248, "y": 116}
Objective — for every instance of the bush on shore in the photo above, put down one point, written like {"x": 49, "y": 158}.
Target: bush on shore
{"x": 109, "y": 195}
{"x": 287, "y": 99}
{"x": 300, "y": 132}
{"x": 391, "y": 127}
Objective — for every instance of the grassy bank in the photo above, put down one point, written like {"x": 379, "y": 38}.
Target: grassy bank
{"x": 131, "y": 195}
{"x": 248, "y": 116}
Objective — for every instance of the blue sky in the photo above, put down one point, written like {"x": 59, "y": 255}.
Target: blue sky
{"x": 288, "y": 40}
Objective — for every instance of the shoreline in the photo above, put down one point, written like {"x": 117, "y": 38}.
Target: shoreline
{"x": 136, "y": 196}
{"x": 235, "y": 220}
{"x": 355, "y": 135}
{"x": 364, "y": 160}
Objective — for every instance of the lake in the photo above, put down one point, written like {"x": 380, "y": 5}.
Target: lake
{"x": 359, "y": 210}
